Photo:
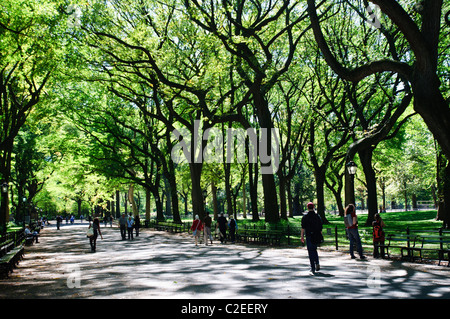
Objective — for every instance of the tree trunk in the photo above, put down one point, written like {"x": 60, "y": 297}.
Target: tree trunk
{"x": 117, "y": 203}
{"x": 290, "y": 200}
{"x": 228, "y": 195}
{"x": 253, "y": 182}
{"x": 365, "y": 157}
{"x": 168, "y": 196}
{"x": 268, "y": 179}
{"x": 282, "y": 187}
{"x": 131, "y": 199}
{"x": 320, "y": 184}
{"x": 174, "y": 198}
{"x": 5, "y": 171}
{"x": 147, "y": 204}
{"x": 158, "y": 203}
{"x": 197, "y": 192}
{"x": 443, "y": 188}
{"x": 244, "y": 199}
{"x": 414, "y": 201}
{"x": 215, "y": 203}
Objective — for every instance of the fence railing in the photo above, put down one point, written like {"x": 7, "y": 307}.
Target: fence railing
{"x": 16, "y": 236}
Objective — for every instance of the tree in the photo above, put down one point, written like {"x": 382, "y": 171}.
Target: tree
{"x": 263, "y": 38}
{"x": 28, "y": 57}
{"x": 420, "y": 25}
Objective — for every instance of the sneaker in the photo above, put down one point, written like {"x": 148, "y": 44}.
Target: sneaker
{"x": 353, "y": 256}
{"x": 312, "y": 272}
{"x": 362, "y": 257}
{"x": 317, "y": 267}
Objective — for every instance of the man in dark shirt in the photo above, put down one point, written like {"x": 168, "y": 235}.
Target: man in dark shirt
{"x": 207, "y": 228}
{"x": 222, "y": 222}
{"x": 312, "y": 229}
{"x": 123, "y": 226}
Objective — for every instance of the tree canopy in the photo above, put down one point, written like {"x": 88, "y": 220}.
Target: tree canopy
{"x": 249, "y": 107}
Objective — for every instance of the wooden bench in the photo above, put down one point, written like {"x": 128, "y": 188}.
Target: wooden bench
{"x": 248, "y": 235}
{"x": 10, "y": 260}
{"x": 274, "y": 237}
{"x": 241, "y": 235}
{"x": 260, "y": 236}
{"x": 6, "y": 247}
{"x": 430, "y": 243}
{"x": 169, "y": 226}
{"x": 29, "y": 240}
{"x": 398, "y": 241}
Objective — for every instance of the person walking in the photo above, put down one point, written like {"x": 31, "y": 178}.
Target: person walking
{"x": 207, "y": 229}
{"x": 222, "y": 224}
{"x": 130, "y": 226}
{"x": 58, "y": 221}
{"x": 123, "y": 226}
{"x": 137, "y": 224}
{"x": 351, "y": 223}
{"x": 196, "y": 228}
{"x": 378, "y": 237}
{"x": 232, "y": 227}
{"x": 93, "y": 239}
{"x": 312, "y": 230}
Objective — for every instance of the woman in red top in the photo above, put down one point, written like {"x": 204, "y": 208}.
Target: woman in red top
{"x": 196, "y": 228}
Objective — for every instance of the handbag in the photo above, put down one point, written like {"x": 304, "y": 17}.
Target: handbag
{"x": 90, "y": 232}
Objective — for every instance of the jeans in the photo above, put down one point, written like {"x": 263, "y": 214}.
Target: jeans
{"x": 123, "y": 231}
{"x": 353, "y": 236}
{"x": 207, "y": 234}
{"x": 223, "y": 237}
{"x": 93, "y": 241}
{"x": 233, "y": 235}
{"x": 130, "y": 233}
{"x": 312, "y": 253}
{"x": 377, "y": 250}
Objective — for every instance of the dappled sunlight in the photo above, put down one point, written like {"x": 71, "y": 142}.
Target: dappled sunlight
{"x": 163, "y": 265}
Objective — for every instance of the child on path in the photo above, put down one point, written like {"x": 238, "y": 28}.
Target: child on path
{"x": 378, "y": 237}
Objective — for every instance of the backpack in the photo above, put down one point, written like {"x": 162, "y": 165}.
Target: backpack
{"x": 378, "y": 234}
{"x": 348, "y": 220}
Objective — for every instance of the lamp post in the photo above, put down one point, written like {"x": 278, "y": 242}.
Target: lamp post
{"x": 351, "y": 170}
{"x": 4, "y": 207}
{"x": 24, "y": 210}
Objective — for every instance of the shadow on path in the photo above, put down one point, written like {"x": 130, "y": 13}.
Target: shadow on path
{"x": 162, "y": 265}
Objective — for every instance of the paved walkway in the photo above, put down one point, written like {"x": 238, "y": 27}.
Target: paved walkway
{"x": 169, "y": 266}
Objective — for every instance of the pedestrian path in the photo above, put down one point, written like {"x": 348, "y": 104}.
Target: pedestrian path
{"x": 169, "y": 266}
